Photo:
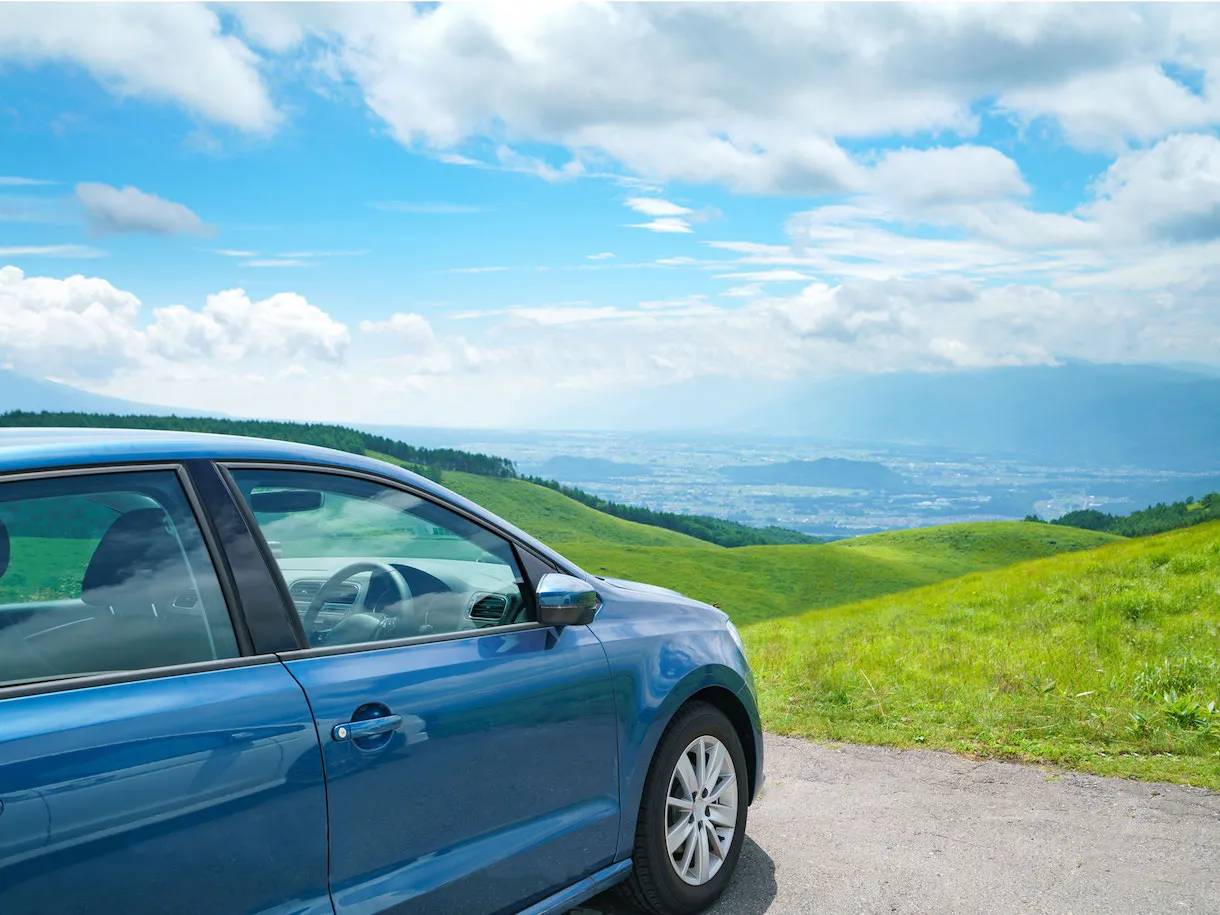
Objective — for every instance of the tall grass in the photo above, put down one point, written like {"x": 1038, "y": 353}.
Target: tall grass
{"x": 1106, "y": 660}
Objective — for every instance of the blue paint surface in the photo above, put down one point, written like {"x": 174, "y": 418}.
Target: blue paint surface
{"x": 513, "y": 780}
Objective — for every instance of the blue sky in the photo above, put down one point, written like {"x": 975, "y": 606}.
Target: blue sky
{"x": 444, "y": 215}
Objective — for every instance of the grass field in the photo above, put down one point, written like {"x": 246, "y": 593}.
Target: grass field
{"x": 1106, "y": 660}
{"x": 763, "y": 582}
{"x": 756, "y": 583}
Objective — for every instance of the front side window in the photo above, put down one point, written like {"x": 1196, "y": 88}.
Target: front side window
{"x": 365, "y": 562}
{"x": 105, "y": 573}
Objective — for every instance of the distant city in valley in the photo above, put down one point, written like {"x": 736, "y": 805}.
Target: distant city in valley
{"x": 858, "y": 455}
{"x": 727, "y": 476}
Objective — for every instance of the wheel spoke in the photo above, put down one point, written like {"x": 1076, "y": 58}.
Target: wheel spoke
{"x": 722, "y": 815}
{"x": 679, "y": 834}
{"x": 686, "y": 775}
{"x": 686, "y": 858}
{"x": 714, "y": 840}
{"x": 714, "y": 765}
{"x": 702, "y": 856}
{"x": 728, "y": 780}
{"x": 701, "y": 768}
{"x": 680, "y": 803}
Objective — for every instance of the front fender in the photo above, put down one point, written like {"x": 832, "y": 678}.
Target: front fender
{"x": 657, "y": 664}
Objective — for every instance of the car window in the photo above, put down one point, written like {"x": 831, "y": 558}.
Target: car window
{"x": 365, "y": 562}
{"x": 104, "y": 573}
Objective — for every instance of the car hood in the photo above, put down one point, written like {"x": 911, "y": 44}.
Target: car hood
{"x": 640, "y": 586}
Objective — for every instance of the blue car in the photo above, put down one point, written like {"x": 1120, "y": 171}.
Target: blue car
{"x": 245, "y": 676}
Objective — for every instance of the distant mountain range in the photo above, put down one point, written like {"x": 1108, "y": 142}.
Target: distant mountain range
{"x": 20, "y": 392}
{"x": 1101, "y": 415}
{"x": 830, "y": 473}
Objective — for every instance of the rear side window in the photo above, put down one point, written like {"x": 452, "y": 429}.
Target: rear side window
{"x": 105, "y": 573}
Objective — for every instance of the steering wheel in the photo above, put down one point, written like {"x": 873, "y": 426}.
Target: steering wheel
{"x": 365, "y": 565}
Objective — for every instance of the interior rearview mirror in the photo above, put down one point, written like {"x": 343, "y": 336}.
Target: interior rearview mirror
{"x": 564, "y": 600}
{"x": 285, "y": 501}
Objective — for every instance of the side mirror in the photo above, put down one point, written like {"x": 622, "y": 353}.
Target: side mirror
{"x": 564, "y": 600}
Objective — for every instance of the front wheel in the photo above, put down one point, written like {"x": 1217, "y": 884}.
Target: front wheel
{"x": 692, "y": 817}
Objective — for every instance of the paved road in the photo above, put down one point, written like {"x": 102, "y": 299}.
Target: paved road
{"x": 849, "y": 829}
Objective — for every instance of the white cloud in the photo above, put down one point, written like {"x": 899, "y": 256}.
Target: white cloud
{"x": 231, "y": 327}
{"x": 654, "y": 206}
{"x": 408, "y": 328}
{"x": 1169, "y": 192}
{"x": 109, "y": 210}
{"x": 943, "y": 176}
{"x": 164, "y": 52}
{"x": 233, "y": 252}
{"x": 603, "y": 256}
{"x": 754, "y": 98}
{"x": 1103, "y": 109}
{"x": 15, "y": 181}
{"x": 52, "y": 251}
{"x": 46, "y": 322}
{"x": 85, "y": 328}
{"x": 665, "y": 225}
{"x": 767, "y": 276}
{"x": 279, "y": 262}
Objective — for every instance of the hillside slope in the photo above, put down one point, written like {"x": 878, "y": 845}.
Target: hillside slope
{"x": 557, "y": 520}
{"x": 761, "y": 582}
{"x": 1105, "y": 660}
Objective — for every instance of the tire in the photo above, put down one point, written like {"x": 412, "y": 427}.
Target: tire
{"x": 655, "y": 884}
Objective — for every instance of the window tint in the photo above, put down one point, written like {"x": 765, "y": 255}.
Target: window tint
{"x": 366, "y": 562}
{"x": 105, "y": 573}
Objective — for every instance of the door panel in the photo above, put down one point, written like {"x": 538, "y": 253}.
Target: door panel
{"x": 499, "y": 787}
{"x": 145, "y": 765}
{"x": 199, "y": 793}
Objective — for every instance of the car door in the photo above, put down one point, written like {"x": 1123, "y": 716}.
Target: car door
{"x": 470, "y": 753}
{"x": 149, "y": 761}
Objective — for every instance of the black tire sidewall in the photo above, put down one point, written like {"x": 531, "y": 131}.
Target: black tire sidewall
{"x": 676, "y": 895}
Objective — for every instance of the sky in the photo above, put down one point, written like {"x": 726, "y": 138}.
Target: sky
{"x": 478, "y": 214}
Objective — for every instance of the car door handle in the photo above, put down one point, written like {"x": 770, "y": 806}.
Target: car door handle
{"x": 369, "y": 727}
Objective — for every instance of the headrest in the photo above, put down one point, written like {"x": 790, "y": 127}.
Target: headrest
{"x": 4, "y": 548}
{"x": 138, "y": 560}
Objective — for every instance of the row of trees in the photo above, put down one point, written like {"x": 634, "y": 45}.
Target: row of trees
{"x": 1155, "y": 519}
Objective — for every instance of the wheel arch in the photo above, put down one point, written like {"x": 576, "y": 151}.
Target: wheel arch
{"x": 734, "y": 709}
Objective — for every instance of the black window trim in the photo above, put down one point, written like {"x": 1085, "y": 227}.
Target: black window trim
{"x": 246, "y": 657}
{"x": 225, "y": 466}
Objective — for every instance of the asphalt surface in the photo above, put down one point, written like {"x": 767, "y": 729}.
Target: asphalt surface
{"x": 852, "y": 829}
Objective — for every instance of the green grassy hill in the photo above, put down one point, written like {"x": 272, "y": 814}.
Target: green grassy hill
{"x": 557, "y": 520}
{"x": 761, "y": 582}
{"x": 1106, "y": 660}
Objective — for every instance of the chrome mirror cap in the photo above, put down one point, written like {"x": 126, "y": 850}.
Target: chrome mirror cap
{"x": 564, "y": 600}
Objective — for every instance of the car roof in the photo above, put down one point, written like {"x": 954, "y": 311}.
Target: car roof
{"x": 27, "y": 449}
{"x": 32, "y": 448}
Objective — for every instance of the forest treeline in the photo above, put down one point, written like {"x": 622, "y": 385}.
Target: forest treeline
{"x": 428, "y": 462}
{"x": 1156, "y": 519}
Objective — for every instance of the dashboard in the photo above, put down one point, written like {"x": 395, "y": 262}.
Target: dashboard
{"x": 445, "y": 596}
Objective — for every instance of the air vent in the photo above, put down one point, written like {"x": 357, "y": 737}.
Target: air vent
{"x": 305, "y": 590}
{"x": 489, "y": 609}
